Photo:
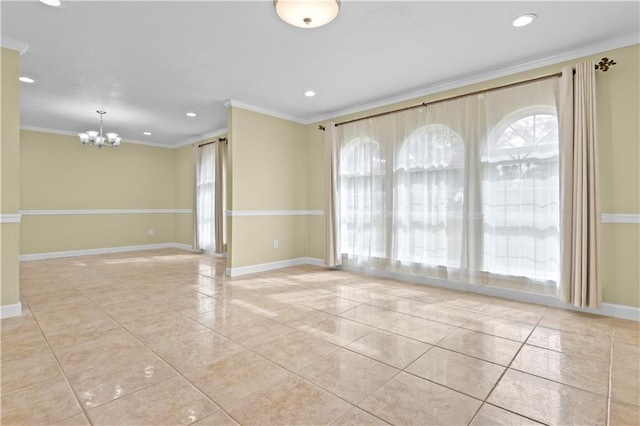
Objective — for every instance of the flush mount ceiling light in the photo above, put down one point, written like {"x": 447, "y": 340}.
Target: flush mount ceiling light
{"x": 523, "y": 20}
{"x": 309, "y": 93}
{"x": 191, "y": 114}
{"x": 54, "y": 3}
{"x": 93, "y": 138}
{"x": 26, "y": 79}
{"x": 307, "y": 13}
{"x": 147, "y": 133}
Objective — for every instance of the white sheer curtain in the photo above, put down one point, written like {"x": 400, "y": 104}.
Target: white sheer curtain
{"x": 205, "y": 197}
{"x": 465, "y": 189}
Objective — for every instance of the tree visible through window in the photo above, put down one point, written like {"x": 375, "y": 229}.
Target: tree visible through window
{"x": 430, "y": 197}
{"x": 362, "y": 198}
{"x": 520, "y": 193}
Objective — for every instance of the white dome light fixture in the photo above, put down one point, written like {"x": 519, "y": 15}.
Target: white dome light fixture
{"x": 307, "y": 13}
{"x": 54, "y": 3}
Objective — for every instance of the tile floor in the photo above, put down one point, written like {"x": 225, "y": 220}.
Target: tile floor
{"x": 163, "y": 337}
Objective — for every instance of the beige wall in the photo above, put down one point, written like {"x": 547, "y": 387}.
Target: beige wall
{"x": 57, "y": 173}
{"x": 619, "y": 136}
{"x": 9, "y": 175}
{"x": 183, "y": 187}
{"x": 268, "y": 171}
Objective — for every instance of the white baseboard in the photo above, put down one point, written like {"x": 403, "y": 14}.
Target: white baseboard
{"x": 608, "y": 309}
{"x": 263, "y": 267}
{"x": 8, "y": 311}
{"x": 105, "y": 250}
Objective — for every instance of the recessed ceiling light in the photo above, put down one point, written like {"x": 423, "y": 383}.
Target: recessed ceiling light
{"x": 26, "y": 79}
{"x": 54, "y": 3}
{"x": 191, "y": 114}
{"x": 523, "y": 20}
{"x": 147, "y": 133}
{"x": 309, "y": 93}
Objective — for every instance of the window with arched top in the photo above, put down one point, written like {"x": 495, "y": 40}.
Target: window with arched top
{"x": 521, "y": 196}
{"x": 429, "y": 197}
{"x": 362, "y": 198}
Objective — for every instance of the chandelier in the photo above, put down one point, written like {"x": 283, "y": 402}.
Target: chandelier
{"x": 94, "y": 138}
{"x": 307, "y": 13}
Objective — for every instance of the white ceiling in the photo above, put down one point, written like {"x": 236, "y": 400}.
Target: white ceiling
{"x": 149, "y": 62}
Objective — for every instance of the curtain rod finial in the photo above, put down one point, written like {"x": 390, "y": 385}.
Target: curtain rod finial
{"x": 605, "y": 63}
{"x": 321, "y": 127}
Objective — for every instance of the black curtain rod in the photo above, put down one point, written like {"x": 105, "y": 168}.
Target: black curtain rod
{"x": 604, "y": 65}
{"x": 209, "y": 143}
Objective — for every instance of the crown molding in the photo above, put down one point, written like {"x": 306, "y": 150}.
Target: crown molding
{"x": 237, "y": 104}
{"x": 68, "y": 133}
{"x": 13, "y": 44}
{"x": 201, "y": 138}
{"x": 591, "y": 49}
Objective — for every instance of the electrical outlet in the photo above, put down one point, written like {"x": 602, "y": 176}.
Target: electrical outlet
{"x": 275, "y": 243}
{"x": 149, "y": 231}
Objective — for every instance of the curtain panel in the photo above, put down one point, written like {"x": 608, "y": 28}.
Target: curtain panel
{"x": 581, "y": 285}
{"x": 209, "y": 219}
{"x": 465, "y": 190}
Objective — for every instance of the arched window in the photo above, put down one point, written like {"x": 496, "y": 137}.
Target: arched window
{"x": 521, "y": 197}
{"x": 429, "y": 197}
{"x": 362, "y": 199}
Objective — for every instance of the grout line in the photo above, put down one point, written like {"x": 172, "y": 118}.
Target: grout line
{"x": 505, "y": 371}
{"x": 64, "y": 374}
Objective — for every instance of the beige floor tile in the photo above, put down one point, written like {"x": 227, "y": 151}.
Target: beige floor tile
{"x": 113, "y": 293}
{"x": 299, "y": 316}
{"x": 371, "y": 315}
{"x": 405, "y": 306}
{"x": 332, "y": 305}
{"x": 577, "y": 322}
{"x": 465, "y": 374}
{"x": 420, "y": 329}
{"x": 622, "y": 414}
{"x": 348, "y": 375}
{"x": 548, "y": 402}
{"x": 111, "y": 347}
{"x": 470, "y": 303}
{"x": 235, "y": 376}
{"x": 65, "y": 318}
{"x": 255, "y": 332}
{"x": 173, "y": 401}
{"x": 444, "y": 314}
{"x": 403, "y": 401}
{"x": 44, "y": 403}
{"x": 490, "y": 415}
{"x": 77, "y": 336}
{"x": 587, "y": 371}
{"x": 175, "y": 304}
{"x": 28, "y": 370}
{"x": 217, "y": 418}
{"x": 389, "y": 348}
{"x": 19, "y": 328}
{"x": 357, "y": 417}
{"x": 500, "y": 327}
{"x": 227, "y": 316}
{"x": 190, "y": 353}
{"x": 18, "y": 347}
{"x": 338, "y": 331}
{"x": 114, "y": 380}
{"x": 295, "y": 350}
{"x": 569, "y": 343}
{"x": 290, "y": 401}
{"x": 489, "y": 348}
{"x": 77, "y": 420}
